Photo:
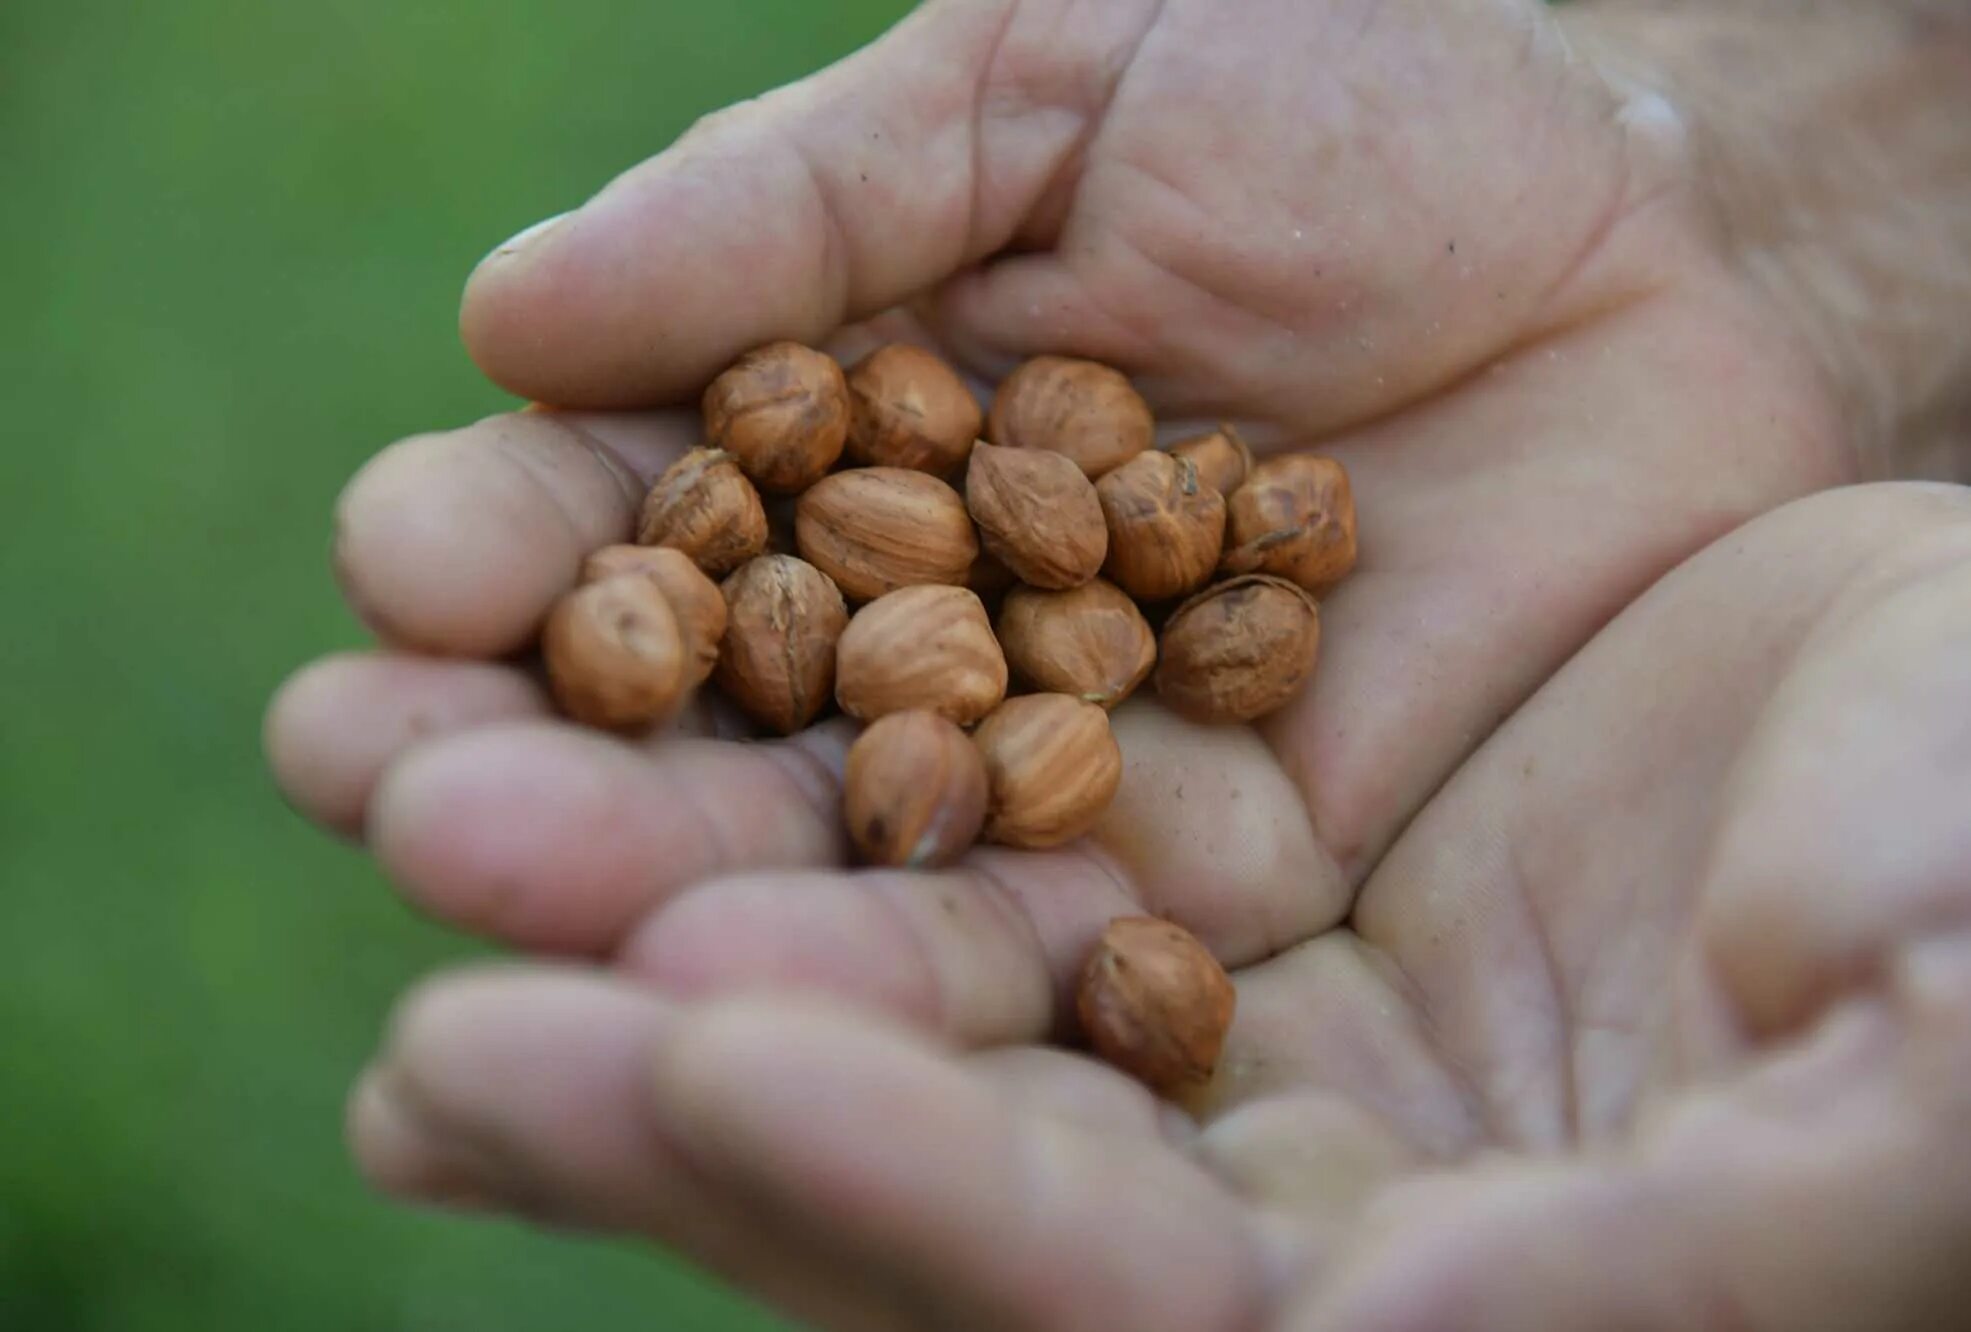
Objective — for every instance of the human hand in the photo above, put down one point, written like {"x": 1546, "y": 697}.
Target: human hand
{"x": 1540, "y": 422}
{"x": 1659, "y": 1017}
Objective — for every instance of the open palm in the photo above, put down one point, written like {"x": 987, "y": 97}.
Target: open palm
{"x": 1426, "y": 238}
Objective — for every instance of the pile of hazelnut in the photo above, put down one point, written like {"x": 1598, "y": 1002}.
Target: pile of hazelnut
{"x": 927, "y": 569}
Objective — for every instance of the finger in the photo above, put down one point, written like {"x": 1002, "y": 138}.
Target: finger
{"x": 338, "y": 723}
{"x": 525, "y": 1091}
{"x": 988, "y": 1217}
{"x": 458, "y": 543}
{"x": 1778, "y": 942}
{"x": 1541, "y": 903}
{"x": 983, "y": 955}
{"x": 818, "y": 204}
{"x": 1205, "y": 830}
{"x": 1724, "y": 1216}
{"x": 546, "y": 836}
{"x": 1035, "y": 1079}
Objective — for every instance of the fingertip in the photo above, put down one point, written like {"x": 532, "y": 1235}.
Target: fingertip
{"x": 457, "y": 543}
{"x": 335, "y": 724}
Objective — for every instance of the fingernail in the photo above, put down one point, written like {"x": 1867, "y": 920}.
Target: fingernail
{"x": 507, "y": 249}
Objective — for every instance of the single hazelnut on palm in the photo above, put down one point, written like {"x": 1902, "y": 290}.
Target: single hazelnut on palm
{"x": 1079, "y": 408}
{"x": 1037, "y": 514}
{"x": 1238, "y": 650}
{"x": 695, "y": 600}
{"x": 927, "y": 647}
{"x": 782, "y": 411}
{"x": 1155, "y": 1003}
{"x": 913, "y": 791}
{"x": 1166, "y": 526}
{"x": 704, "y": 506}
{"x": 1053, "y": 765}
{"x": 614, "y": 654}
{"x": 777, "y": 662}
{"x": 1294, "y": 518}
{"x": 1222, "y": 458}
{"x": 907, "y": 408}
{"x": 877, "y": 529}
{"x": 1090, "y": 641}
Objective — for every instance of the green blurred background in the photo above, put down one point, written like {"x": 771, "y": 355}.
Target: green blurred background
{"x": 232, "y": 234}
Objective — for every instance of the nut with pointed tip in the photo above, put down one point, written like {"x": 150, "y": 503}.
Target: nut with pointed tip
{"x": 913, "y": 791}
{"x": 1166, "y": 527}
{"x": 704, "y": 506}
{"x": 877, "y": 529}
{"x": 928, "y": 647}
{"x": 1155, "y": 1003}
{"x": 909, "y": 409}
{"x": 615, "y": 657}
{"x": 1238, "y": 650}
{"x": 777, "y": 662}
{"x": 695, "y": 600}
{"x": 1090, "y": 641}
{"x": 1294, "y": 518}
{"x": 1222, "y": 458}
{"x": 1081, "y": 408}
{"x": 1037, "y": 513}
{"x": 1054, "y": 768}
{"x": 782, "y": 411}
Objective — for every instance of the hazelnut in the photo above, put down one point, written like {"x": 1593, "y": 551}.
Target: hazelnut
{"x": 704, "y": 506}
{"x": 881, "y": 528}
{"x": 1090, "y": 641}
{"x": 777, "y": 663}
{"x": 1053, "y": 765}
{"x": 1154, "y": 1003}
{"x": 695, "y": 600}
{"x": 928, "y": 647}
{"x": 1295, "y": 517}
{"x": 1166, "y": 527}
{"x": 782, "y": 411}
{"x": 913, "y": 791}
{"x": 1080, "y": 408}
{"x": 1238, "y": 650}
{"x": 614, "y": 654}
{"x": 907, "y": 408}
{"x": 1038, "y": 514}
{"x": 1222, "y": 457}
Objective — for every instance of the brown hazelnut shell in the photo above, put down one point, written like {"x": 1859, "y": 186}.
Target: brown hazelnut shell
{"x": 1155, "y": 1003}
{"x": 704, "y": 506}
{"x": 695, "y": 600}
{"x": 908, "y": 408}
{"x": 1090, "y": 641}
{"x": 1238, "y": 650}
{"x": 1294, "y": 518}
{"x": 1054, "y": 767}
{"x": 777, "y": 663}
{"x": 782, "y": 412}
{"x": 927, "y": 647}
{"x": 1166, "y": 527}
{"x": 877, "y": 529}
{"x": 1038, "y": 514}
{"x": 614, "y": 654}
{"x": 1083, "y": 409}
{"x": 1223, "y": 460}
{"x": 914, "y": 791}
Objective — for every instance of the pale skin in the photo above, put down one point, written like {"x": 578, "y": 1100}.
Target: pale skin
{"x": 1601, "y": 915}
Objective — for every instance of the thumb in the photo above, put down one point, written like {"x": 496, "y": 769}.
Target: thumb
{"x": 822, "y": 202}
{"x": 1827, "y": 1191}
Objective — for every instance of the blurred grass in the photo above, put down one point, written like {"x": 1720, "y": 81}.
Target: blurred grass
{"x": 231, "y": 239}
